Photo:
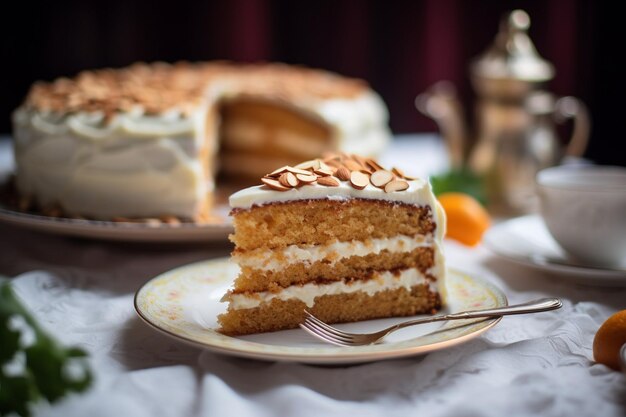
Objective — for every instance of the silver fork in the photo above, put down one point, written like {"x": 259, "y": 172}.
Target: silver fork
{"x": 331, "y": 334}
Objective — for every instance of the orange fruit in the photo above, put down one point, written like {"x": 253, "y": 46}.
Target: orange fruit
{"x": 610, "y": 337}
{"x": 467, "y": 219}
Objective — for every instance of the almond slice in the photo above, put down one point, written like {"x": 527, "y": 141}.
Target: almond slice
{"x": 360, "y": 160}
{"x": 328, "y": 181}
{"x": 359, "y": 180}
{"x": 396, "y": 185}
{"x": 307, "y": 179}
{"x": 343, "y": 173}
{"x": 323, "y": 165}
{"x": 298, "y": 171}
{"x": 333, "y": 163}
{"x": 274, "y": 184}
{"x": 374, "y": 165}
{"x": 322, "y": 172}
{"x": 312, "y": 164}
{"x": 401, "y": 174}
{"x": 276, "y": 173}
{"x": 352, "y": 165}
{"x": 288, "y": 180}
{"x": 380, "y": 178}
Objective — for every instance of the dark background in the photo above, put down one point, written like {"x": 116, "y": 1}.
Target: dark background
{"x": 400, "y": 47}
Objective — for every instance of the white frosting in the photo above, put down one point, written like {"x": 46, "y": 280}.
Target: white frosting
{"x": 307, "y": 293}
{"x": 127, "y": 172}
{"x": 419, "y": 193}
{"x": 139, "y": 165}
{"x": 276, "y": 260}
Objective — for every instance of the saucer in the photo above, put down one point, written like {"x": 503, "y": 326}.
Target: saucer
{"x": 526, "y": 240}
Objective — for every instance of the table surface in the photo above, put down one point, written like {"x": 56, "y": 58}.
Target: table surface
{"x": 82, "y": 292}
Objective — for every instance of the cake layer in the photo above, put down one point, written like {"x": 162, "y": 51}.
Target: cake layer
{"x": 275, "y": 260}
{"x": 298, "y": 222}
{"x": 257, "y": 125}
{"x": 375, "y": 282}
{"x": 279, "y": 314}
{"x": 353, "y": 267}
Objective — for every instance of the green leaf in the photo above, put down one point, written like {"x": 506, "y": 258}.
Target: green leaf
{"x": 461, "y": 180}
{"x": 49, "y": 371}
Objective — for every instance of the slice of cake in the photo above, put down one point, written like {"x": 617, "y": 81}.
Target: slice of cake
{"x": 340, "y": 236}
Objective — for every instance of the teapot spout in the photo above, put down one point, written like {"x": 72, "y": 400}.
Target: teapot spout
{"x": 440, "y": 103}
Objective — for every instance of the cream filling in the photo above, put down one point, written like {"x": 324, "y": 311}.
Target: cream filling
{"x": 264, "y": 259}
{"x": 307, "y": 293}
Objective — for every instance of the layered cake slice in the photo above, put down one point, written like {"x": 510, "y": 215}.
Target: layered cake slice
{"x": 340, "y": 236}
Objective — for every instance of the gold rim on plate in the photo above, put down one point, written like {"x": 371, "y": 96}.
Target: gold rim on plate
{"x": 183, "y": 304}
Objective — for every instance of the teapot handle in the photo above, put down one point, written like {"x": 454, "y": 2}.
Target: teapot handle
{"x": 572, "y": 108}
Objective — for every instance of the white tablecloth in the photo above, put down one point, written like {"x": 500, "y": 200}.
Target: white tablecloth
{"x": 82, "y": 292}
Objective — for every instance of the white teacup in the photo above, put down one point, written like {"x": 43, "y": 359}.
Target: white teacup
{"x": 584, "y": 208}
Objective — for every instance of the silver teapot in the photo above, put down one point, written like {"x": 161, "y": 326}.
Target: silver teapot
{"x": 515, "y": 131}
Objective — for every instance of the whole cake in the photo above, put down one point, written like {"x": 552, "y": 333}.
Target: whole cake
{"x": 340, "y": 236}
{"x": 149, "y": 140}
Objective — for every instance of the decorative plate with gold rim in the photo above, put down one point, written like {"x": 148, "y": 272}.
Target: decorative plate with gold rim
{"x": 184, "y": 303}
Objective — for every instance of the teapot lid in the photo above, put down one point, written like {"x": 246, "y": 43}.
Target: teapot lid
{"x": 513, "y": 55}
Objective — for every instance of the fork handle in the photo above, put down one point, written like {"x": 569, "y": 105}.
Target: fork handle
{"x": 535, "y": 306}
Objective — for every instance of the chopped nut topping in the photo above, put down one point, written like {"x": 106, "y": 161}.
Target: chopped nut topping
{"x": 159, "y": 87}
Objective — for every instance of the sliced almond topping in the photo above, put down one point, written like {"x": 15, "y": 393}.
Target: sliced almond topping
{"x": 374, "y": 165}
{"x": 328, "y": 181}
{"x": 312, "y": 164}
{"x": 298, "y": 171}
{"x": 396, "y": 185}
{"x": 323, "y": 165}
{"x": 288, "y": 180}
{"x": 274, "y": 184}
{"x": 324, "y": 172}
{"x": 380, "y": 178}
{"x": 343, "y": 173}
{"x": 360, "y": 160}
{"x": 401, "y": 174}
{"x": 359, "y": 180}
{"x": 333, "y": 163}
{"x": 352, "y": 165}
{"x": 277, "y": 172}
{"x": 307, "y": 179}
{"x": 398, "y": 172}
